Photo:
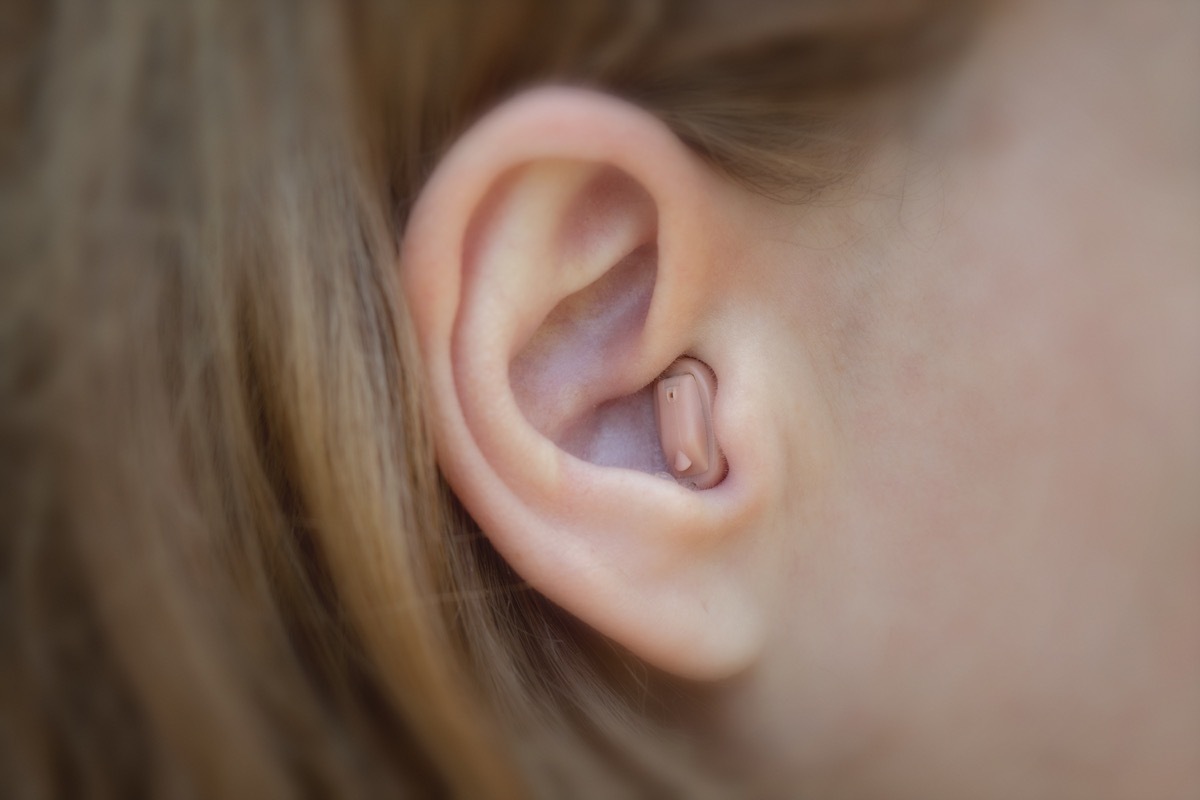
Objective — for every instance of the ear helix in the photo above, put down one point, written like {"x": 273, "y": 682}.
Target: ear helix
{"x": 683, "y": 402}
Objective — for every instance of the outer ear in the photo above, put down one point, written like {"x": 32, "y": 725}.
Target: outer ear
{"x": 562, "y": 256}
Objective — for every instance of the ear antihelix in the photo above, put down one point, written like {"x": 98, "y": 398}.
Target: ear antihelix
{"x": 683, "y": 402}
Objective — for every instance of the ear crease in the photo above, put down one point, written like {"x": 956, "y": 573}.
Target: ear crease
{"x": 567, "y": 377}
{"x": 567, "y": 367}
{"x": 612, "y": 216}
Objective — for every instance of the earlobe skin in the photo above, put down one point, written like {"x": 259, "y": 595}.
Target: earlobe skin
{"x": 558, "y": 261}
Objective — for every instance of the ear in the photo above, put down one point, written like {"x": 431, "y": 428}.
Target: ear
{"x": 563, "y": 255}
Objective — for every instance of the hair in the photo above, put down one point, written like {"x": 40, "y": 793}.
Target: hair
{"x": 228, "y": 564}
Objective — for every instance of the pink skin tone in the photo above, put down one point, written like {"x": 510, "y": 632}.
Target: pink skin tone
{"x": 957, "y": 552}
{"x": 997, "y": 592}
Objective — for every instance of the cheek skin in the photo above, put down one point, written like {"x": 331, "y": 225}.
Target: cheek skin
{"x": 1016, "y": 514}
{"x": 1006, "y": 562}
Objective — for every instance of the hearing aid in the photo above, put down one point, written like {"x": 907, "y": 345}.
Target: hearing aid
{"x": 683, "y": 400}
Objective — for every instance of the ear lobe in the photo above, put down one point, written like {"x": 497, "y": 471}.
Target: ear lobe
{"x": 558, "y": 261}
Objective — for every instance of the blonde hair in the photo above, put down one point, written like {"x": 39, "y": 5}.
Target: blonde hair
{"x": 228, "y": 565}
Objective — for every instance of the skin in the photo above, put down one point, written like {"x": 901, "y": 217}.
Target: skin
{"x": 995, "y": 588}
{"x": 957, "y": 553}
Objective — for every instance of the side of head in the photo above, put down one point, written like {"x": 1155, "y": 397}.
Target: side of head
{"x": 233, "y": 561}
{"x": 336, "y": 400}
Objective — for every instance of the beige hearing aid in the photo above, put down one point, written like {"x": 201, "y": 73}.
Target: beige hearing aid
{"x": 683, "y": 408}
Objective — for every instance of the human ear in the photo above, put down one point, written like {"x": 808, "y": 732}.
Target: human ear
{"x": 560, "y": 259}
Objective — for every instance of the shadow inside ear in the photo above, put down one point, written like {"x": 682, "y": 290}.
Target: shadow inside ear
{"x": 562, "y": 377}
